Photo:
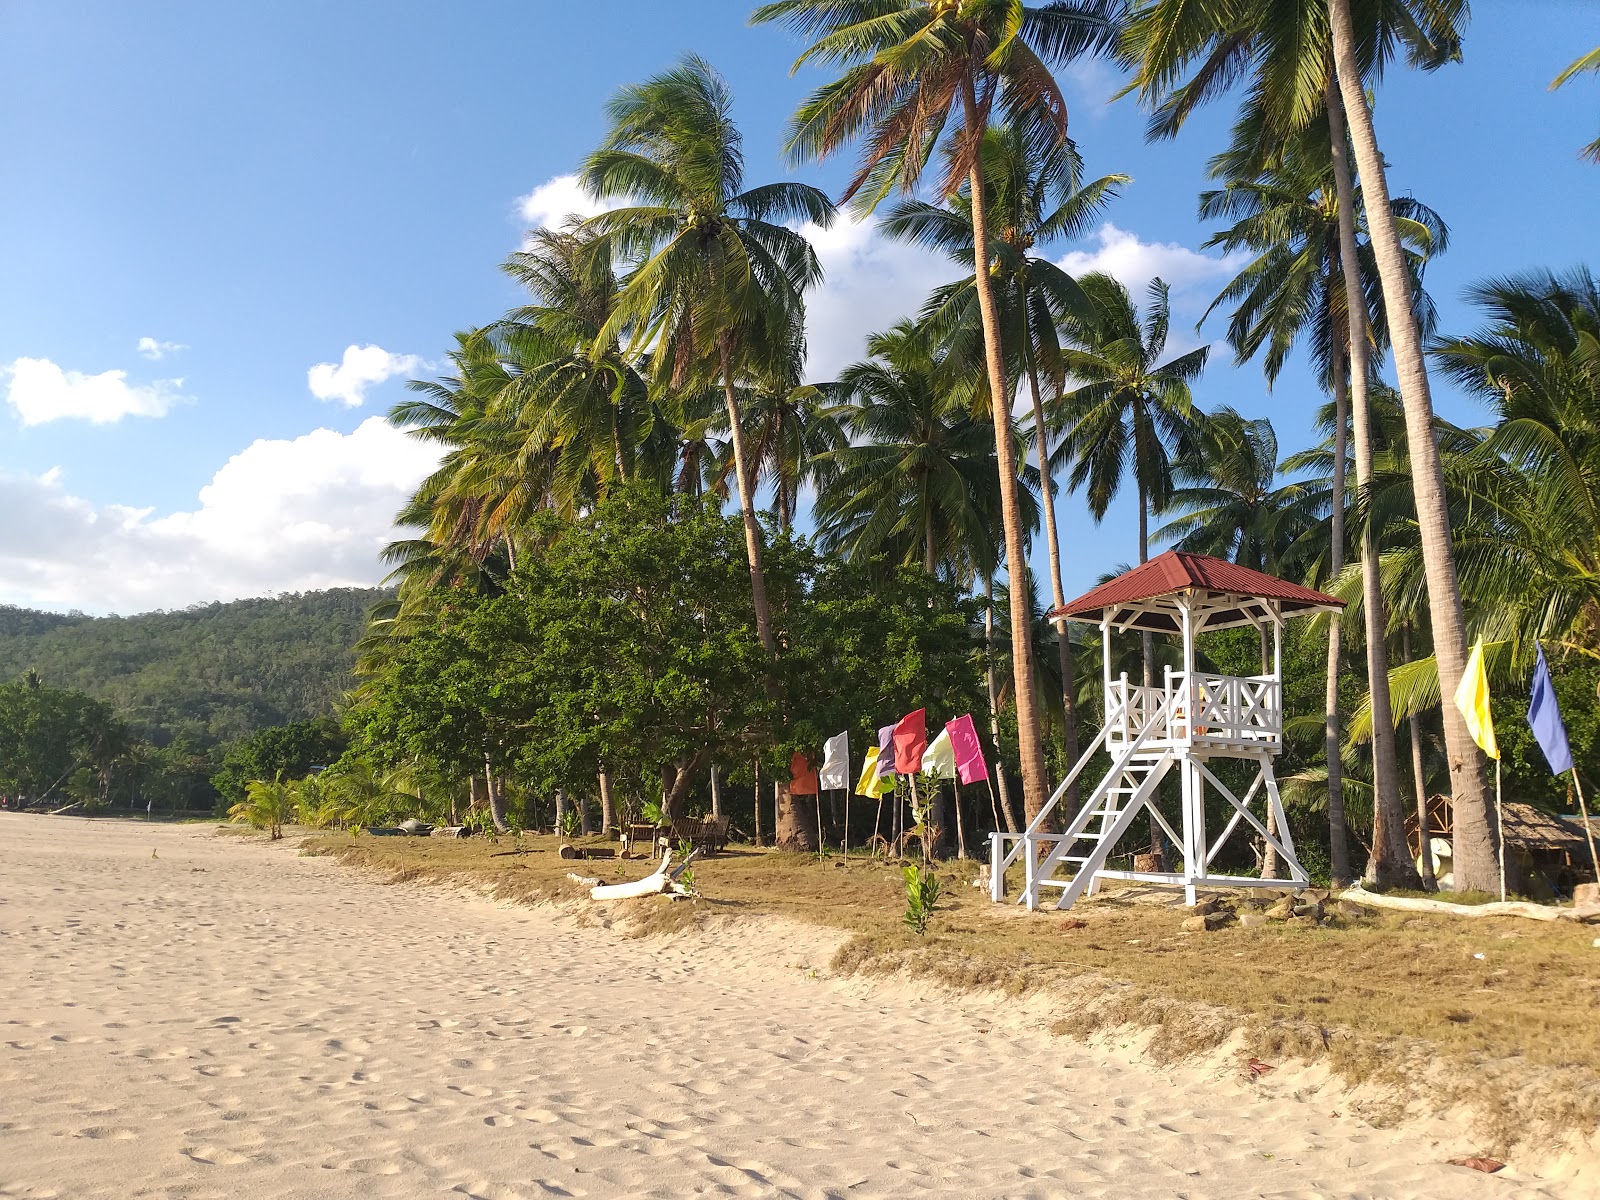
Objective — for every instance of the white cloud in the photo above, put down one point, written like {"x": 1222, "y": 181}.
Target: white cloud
{"x": 1135, "y": 263}
{"x": 361, "y": 368}
{"x": 869, "y": 282}
{"x": 550, "y": 204}
{"x": 281, "y": 515}
{"x": 39, "y": 391}
{"x": 155, "y": 350}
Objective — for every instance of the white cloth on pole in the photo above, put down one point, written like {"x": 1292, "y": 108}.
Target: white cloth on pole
{"x": 835, "y": 770}
{"x": 940, "y": 757}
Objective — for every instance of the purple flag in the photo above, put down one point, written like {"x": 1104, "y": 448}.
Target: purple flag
{"x": 1544, "y": 718}
{"x": 886, "y": 751}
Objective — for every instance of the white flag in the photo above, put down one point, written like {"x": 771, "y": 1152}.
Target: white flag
{"x": 835, "y": 770}
{"x": 940, "y": 757}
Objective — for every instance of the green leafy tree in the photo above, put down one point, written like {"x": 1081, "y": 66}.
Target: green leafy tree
{"x": 1588, "y": 64}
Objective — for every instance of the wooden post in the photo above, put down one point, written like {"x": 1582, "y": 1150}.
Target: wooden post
{"x": 1587, "y": 829}
{"x": 758, "y": 804}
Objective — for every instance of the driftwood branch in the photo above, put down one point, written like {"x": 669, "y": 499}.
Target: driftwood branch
{"x": 1507, "y": 908}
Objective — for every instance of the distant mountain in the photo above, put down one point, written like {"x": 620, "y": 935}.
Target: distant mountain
{"x": 211, "y": 673}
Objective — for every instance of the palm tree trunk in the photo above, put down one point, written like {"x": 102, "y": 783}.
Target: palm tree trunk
{"x": 1069, "y": 704}
{"x": 1474, "y": 848}
{"x": 747, "y": 505}
{"x": 716, "y": 792}
{"x": 994, "y": 705}
{"x": 608, "y": 809}
{"x": 1389, "y": 863}
{"x": 1147, "y": 645}
{"x": 1030, "y": 748}
{"x": 497, "y": 796}
{"x": 930, "y": 561}
{"x": 1419, "y": 782}
{"x": 1338, "y": 834}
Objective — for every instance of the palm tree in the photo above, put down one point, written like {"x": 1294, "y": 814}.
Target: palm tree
{"x": 1474, "y": 843}
{"x": 1037, "y": 197}
{"x": 1131, "y": 412}
{"x": 267, "y": 804}
{"x": 1589, "y": 62}
{"x": 574, "y": 391}
{"x": 1293, "y": 290}
{"x": 915, "y": 75}
{"x": 714, "y": 276}
{"x": 1302, "y": 58}
{"x": 1225, "y": 501}
{"x": 918, "y": 482}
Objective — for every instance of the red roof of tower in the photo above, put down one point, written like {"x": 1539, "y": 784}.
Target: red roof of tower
{"x": 1179, "y": 571}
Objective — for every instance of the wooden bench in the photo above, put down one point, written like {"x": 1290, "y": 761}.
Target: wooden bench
{"x": 709, "y": 835}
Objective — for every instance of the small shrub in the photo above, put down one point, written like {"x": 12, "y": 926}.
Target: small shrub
{"x": 922, "y": 893}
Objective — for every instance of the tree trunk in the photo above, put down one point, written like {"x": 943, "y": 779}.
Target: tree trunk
{"x": 583, "y": 816}
{"x": 994, "y": 707}
{"x": 1474, "y": 849}
{"x": 1333, "y": 743}
{"x": 1419, "y": 782}
{"x": 795, "y": 820}
{"x": 1069, "y": 701}
{"x": 1029, "y": 746}
{"x": 755, "y": 803}
{"x": 561, "y": 812}
{"x": 1146, "y": 640}
{"x": 495, "y": 787}
{"x": 608, "y": 809}
{"x": 747, "y": 503}
{"x": 716, "y": 792}
{"x": 1390, "y": 863}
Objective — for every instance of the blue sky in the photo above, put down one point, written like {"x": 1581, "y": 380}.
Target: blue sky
{"x": 266, "y": 186}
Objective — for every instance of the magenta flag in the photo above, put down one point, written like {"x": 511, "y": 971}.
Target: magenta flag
{"x": 970, "y": 766}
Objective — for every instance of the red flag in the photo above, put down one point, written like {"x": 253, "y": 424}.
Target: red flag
{"x": 910, "y": 740}
{"x": 802, "y": 776}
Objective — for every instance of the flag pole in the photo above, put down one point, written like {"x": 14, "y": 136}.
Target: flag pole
{"x": 848, "y": 788}
{"x": 1500, "y": 828}
{"x": 1587, "y": 828}
{"x": 820, "y": 844}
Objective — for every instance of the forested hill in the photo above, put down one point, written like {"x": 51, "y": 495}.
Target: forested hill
{"x": 210, "y": 674}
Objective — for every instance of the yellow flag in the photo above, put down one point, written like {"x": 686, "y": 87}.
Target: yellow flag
{"x": 1472, "y": 698}
{"x": 870, "y": 784}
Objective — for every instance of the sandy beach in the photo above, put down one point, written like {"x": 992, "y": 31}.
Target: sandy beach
{"x": 193, "y": 1015}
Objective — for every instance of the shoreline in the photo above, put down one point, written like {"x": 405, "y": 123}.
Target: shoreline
{"x": 731, "y": 1043}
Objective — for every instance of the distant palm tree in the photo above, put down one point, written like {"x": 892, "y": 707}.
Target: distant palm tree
{"x": 915, "y": 75}
{"x": 918, "y": 481}
{"x": 574, "y": 392}
{"x": 267, "y": 804}
{"x": 714, "y": 276}
{"x": 1224, "y": 496}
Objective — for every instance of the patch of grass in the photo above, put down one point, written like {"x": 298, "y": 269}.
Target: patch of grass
{"x": 1399, "y": 1002}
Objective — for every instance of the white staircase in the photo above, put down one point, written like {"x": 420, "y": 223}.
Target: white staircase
{"x": 1089, "y": 838}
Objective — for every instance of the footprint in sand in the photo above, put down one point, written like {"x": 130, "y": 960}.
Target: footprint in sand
{"x": 213, "y": 1156}
{"x": 107, "y": 1133}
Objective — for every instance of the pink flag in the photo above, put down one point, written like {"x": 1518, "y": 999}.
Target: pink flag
{"x": 970, "y": 766}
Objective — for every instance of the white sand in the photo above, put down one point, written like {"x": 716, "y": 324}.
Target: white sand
{"x": 229, "y": 1020}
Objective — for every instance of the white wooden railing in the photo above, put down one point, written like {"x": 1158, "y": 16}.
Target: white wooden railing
{"x": 1206, "y": 709}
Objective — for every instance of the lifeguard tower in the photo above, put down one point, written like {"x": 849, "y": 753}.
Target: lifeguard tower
{"x": 1184, "y": 721}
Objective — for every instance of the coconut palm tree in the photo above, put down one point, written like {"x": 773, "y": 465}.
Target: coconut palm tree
{"x": 574, "y": 392}
{"x": 267, "y": 804}
{"x": 1131, "y": 412}
{"x": 714, "y": 277}
{"x": 1293, "y": 291}
{"x": 1037, "y": 198}
{"x": 918, "y": 481}
{"x": 1299, "y": 59}
{"x": 1589, "y": 62}
{"x": 915, "y": 75}
{"x": 1224, "y": 499}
